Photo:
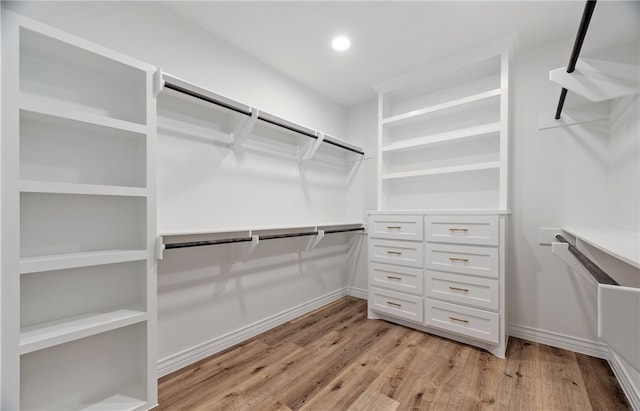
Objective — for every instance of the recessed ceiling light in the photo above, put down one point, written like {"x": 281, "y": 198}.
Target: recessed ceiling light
{"x": 341, "y": 43}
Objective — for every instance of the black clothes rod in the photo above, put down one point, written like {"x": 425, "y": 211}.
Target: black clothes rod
{"x": 248, "y": 239}
{"x": 577, "y": 46}
{"x": 595, "y": 271}
{"x": 208, "y": 99}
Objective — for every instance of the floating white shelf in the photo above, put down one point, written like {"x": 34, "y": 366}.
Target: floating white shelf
{"x": 74, "y": 260}
{"x": 116, "y": 402}
{"x": 442, "y": 170}
{"x": 258, "y": 228}
{"x": 32, "y": 186}
{"x": 624, "y": 245}
{"x": 35, "y": 105}
{"x": 433, "y": 139}
{"x": 48, "y": 334}
{"x": 406, "y": 118}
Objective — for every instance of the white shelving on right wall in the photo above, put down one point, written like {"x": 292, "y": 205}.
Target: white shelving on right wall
{"x": 442, "y": 134}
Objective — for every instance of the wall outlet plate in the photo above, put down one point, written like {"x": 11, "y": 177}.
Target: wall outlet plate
{"x": 548, "y": 235}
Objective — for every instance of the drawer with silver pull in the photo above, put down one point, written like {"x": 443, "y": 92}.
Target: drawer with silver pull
{"x": 462, "y": 289}
{"x": 401, "y": 305}
{"x": 405, "y": 227}
{"x": 482, "y": 261}
{"x": 470, "y": 322}
{"x": 396, "y": 252}
{"x": 480, "y": 229}
{"x": 398, "y": 278}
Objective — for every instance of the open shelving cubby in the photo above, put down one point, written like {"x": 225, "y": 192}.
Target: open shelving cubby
{"x": 442, "y": 134}
{"x": 78, "y": 187}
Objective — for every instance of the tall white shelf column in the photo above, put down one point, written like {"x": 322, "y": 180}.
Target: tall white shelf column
{"x": 78, "y": 223}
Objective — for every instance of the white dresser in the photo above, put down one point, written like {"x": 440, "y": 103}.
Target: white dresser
{"x": 440, "y": 273}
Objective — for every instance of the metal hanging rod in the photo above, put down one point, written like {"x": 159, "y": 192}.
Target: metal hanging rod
{"x": 595, "y": 271}
{"x": 577, "y": 46}
{"x": 249, "y": 239}
{"x": 221, "y": 103}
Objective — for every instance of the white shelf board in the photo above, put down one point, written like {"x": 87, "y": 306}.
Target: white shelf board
{"x": 32, "y": 104}
{"x": 33, "y": 186}
{"x": 259, "y": 228}
{"x": 442, "y": 170}
{"x": 53, "y": 333}
{"x": 118, "y": 402}
{"x": 621, "y": 244}
{"x": 456, "y": 211}
{"x": 74, "y": 260}
{"x": 460, "y": 134}
{"x": 405, "y": 118}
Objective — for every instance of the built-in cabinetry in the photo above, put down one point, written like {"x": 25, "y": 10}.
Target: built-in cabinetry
{"x": 78, "y": 224}
{"x": 441, "y": 273}
{"x": 437, "y": 238}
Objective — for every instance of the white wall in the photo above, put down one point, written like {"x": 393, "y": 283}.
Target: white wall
{"x": 204, "y": 296}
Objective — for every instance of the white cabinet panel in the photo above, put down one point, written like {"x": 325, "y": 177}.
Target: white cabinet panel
{"x": 397, "y": 252}
{"x": 396, "y": 227}
{"x": 462, "y": 289}
{"x": 400, "y": 305}
{"x": 478, "y": 324}
{"x": 409, "y": 280}
{"x": 482, "y": 230}
{"x": 482, "y": 261}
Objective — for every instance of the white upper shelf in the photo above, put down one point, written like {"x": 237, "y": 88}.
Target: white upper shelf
{"x": 433, "y": 139}
{"x": 442, "y": 170}
{"x": 407, "y": 118}
{"x": 621, "y": 244}
{"x": 608, "y": 75}
{"x": 53, "y": 187}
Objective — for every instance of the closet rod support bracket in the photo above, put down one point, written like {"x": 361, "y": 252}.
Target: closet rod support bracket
{"x": 248, "y": 249}
{"x": 243, "y": 128}
{"x": 159, "y": 248}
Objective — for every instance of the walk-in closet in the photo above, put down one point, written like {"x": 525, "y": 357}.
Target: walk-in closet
{"x": 320, "y": 205}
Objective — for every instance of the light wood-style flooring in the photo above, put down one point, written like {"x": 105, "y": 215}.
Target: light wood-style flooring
{"x": 336, "y": 359}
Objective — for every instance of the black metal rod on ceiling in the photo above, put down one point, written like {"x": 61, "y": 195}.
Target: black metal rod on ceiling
{"x": 577, "y": 46}
{"x": 595, "y": 271}
{"x": 208, "y": 99}
{"x": 248, "y": 239}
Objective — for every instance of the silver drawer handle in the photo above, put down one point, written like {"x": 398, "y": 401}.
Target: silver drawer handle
{"x": 391, "y": 277}
{"x": 463, "y": 230}
{"x": 394, "y": 227}
{"x": 464, "y": 290}
{"x": 394, "y": 304}
{"x": 459, "y": 320}
{"x": 454, "y": 259}
{"x": 394, "y": 252}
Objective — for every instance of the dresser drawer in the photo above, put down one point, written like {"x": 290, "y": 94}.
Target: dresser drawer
{"x": 470, "y": 322}
{"x": 396, "y": 227}
{"x": 481, "y": 230}
{"x": 401, "y": 305}
{"x": 396, "y": 252}
{"x": 482, "y": 261}
{"x": 409, "y": 280}
{"x": 462, "y": 289}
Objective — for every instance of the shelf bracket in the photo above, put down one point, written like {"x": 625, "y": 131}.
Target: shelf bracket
{"x": 158, "y": 82}
{"x": 159, "y": 249}
{"x": 314, "y": 241}
{"x": 313, "y": 147}
{"x": 243, "y": 128}
{"x": 248, "y": 249}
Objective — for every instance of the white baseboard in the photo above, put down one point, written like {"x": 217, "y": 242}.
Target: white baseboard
{"x": 626, "y": 382}
{"x": 358, "y": 292}
{"x": 567, "y": 342}
{"x": 182, "y": 359}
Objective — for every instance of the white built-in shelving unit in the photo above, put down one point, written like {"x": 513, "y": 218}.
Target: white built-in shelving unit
{"x": 438, "y": 237}
{"x": 442, "y": 134}
{"x": 78, "y": 223}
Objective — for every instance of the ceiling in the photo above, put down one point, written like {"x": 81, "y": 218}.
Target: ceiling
{"x": 389, "y": 38}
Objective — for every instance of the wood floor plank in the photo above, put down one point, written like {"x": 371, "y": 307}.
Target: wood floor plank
{"x": 563, "y": 387}
{"x": 373, "y": 401}
{"x": 601, "y": 384}
{"x": 335, "y": 359}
